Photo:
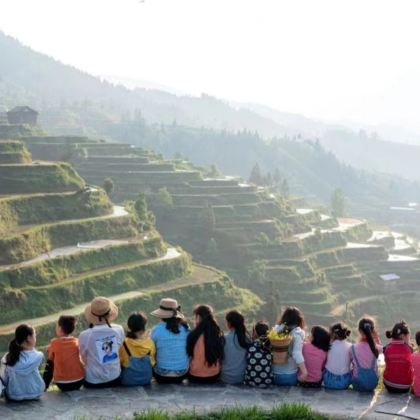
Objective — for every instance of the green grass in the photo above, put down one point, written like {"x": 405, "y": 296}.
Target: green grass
{"x": 55, "y": 270}
{"x": 33, "y": 302}
{"x": 52, "y": 177}
{"x": 45, "y": 208}
{"x": 281, "y": 412}
{"x": 42, "y": 238}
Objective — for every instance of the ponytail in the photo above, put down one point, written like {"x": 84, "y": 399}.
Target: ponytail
{"x": 399, "y": 329}
{"x": 22, "y": 332}
{"x": 236, "y": 320}
{"x": 367, "y": 327}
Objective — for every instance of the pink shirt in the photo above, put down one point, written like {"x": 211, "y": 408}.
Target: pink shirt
{"x": 315, "y": 359}
{"x": 364, "y": 356}
{"x": 415, "y": 359}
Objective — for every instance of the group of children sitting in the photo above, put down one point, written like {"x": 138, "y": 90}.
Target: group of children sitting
{"x": 105, "y": 356}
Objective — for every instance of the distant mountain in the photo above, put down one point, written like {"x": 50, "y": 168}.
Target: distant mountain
{"x": 74, "y": 102}
{"x": 34, "y": 78}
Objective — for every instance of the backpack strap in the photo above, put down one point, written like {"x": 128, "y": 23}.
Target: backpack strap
{"x": 355, "y": 357}
{"x": 127, "y": 349}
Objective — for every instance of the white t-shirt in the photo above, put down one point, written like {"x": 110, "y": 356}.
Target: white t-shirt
{"x": 99, "y": 348}
{"x": 339, "y": 357}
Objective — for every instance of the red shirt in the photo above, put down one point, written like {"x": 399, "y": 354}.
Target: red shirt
{"x": 415, "y": 359}
{"x": 398, "y": 366}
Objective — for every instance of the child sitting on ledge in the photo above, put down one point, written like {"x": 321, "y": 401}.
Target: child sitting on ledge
{"x": 19, "y": 370}
{"x": 315, "y": 354}
{"x": 64, "y": 363}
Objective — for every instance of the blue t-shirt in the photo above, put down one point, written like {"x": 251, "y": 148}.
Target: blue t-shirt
{"x": 171, "y": 349}
{"x": 234, "y": 361}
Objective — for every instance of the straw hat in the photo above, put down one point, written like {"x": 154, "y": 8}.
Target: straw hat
{"x": 168, "y": 308}
{"x": 101, "y": 311}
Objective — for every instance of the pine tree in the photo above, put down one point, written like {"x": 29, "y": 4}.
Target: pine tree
{"x": 337, "y": 203}
{"x": 285, "y": 188}
{"x": 256, "y": 176}
{"x": 276, "y": 177}
{"x": 108, "y": 185}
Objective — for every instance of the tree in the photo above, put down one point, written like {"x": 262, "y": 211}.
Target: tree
{"x": 108, "y": 185}
{"x": 256, "y": 177}
{"x": 214, "y": 172}
{"x": 276, "y": 177}
{"x": 212, "y": 249}
{"x": 285, "y": 188}
{"x": 268, "y": 179}
{"x": 140, "y": 206}
{"x": 164, "y": 199}
{"x": 337, "y": 203}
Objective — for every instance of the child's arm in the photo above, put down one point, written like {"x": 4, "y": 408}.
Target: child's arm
{"x": 297, "y": 355}
{"x": 3, "y": 372}
{"x": 153, "y": 353}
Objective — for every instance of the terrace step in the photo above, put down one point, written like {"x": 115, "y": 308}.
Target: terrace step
{"x": 37, "y": 301}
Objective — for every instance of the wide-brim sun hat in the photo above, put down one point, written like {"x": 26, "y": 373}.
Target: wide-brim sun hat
{"x": 168, "y": 308}
{"x": 101, "y": 311}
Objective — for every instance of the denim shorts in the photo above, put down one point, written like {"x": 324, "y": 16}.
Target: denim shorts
{"x": 285, "y": 379}
{"x": 332, "y": 381}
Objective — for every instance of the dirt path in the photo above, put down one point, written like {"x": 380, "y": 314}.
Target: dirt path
{"x": 76, "y": 249}
{"x": 117, "y": 211}
{"x": 171, "y": 253}
{"x": 340, "y": 309}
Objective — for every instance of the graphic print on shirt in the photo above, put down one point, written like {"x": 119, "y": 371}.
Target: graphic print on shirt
{"x": 107, "y": 349}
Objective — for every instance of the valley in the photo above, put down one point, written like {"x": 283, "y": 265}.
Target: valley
{"x": 276, "y": 247}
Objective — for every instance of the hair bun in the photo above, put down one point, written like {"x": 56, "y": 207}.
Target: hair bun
{"x": 348, "y": 332}
{"x": 388, "y": 334}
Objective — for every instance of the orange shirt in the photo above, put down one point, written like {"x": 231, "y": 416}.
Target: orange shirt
{"x": 68, "y": 365}
{"x": 198, "y": 365}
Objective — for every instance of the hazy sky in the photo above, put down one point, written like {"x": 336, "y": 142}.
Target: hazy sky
{"x": 331, "y": 59}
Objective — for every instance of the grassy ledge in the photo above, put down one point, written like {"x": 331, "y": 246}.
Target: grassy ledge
{"x": 282, "y": 412}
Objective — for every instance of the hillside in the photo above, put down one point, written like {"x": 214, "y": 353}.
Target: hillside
{"x": 285, "y": 254}
{"x": 36, "y": 79}
{"x": 85, "y": 105}
{"x": 63, "y": 242}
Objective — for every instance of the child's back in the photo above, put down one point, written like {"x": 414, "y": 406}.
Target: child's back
{"x": 23, "y": 380}
{"x": 315, "y": 360}
{"x": 315, "y": 355}
{"x": 65, "y": 355}
{"x": 138, "y": 347}
{"x": 339, "y": 359}
{"x": 415, "y": 359}
{"x": 337, "y": 374}
{"x": 398, "y": 374}
{"x": 258, "y": 370}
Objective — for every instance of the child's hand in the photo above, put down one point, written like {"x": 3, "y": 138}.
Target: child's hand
{"x": 303, "y": 373}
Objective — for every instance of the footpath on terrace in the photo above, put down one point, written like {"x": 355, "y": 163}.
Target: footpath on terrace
{"x": 124, "y": 402}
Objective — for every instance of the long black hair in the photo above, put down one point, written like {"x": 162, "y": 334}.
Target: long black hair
{"x": 213, "y": 336}
{"x": 22, "y": 333}
{"x": 292, "y": 317}
{"x": 173, "y": 324}
{"x": 400, "y": 328}
{"x": 136, "y": 322}
{"x": 367, "y": 328}
{"x": 236, "y": 321}
{"x": 321, "y": 337}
